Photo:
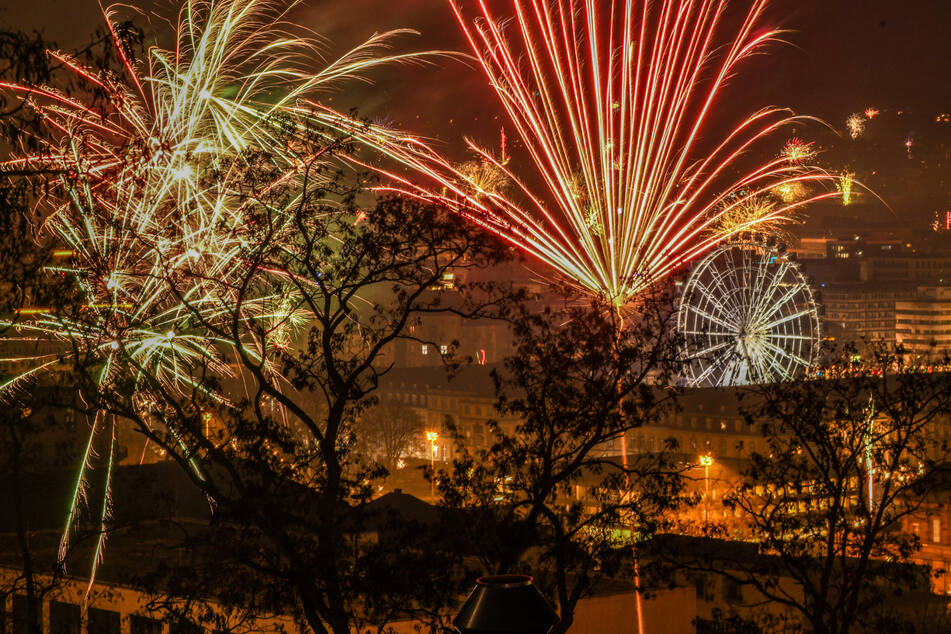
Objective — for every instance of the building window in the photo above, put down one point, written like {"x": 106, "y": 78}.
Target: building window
{"x": 425, "y": 349}
{"x": 144, "y": 625}
{"x": 936, "y": 530}
{"x": 443, "y": 349}
{"x": 732, "y": 591}
{"x": 20, "y": 615}
{"x": 64, "y": 618}
{"x": 103, "y": 622}
{"x": 700, "y": 587}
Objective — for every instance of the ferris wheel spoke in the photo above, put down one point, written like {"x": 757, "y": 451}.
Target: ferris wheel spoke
{"x": 791, "y": 293}
{"x": 718, "y": 277}
{"x": 712, "y": 299}
{"x": 726, "y": 296}
{"x": 765, "y": 296}
{"x": 775, "y": 306}
{"x": 752, "y": 280}
{"x": 707, "y": 351}
{"x": 708, "y": 333}
{"x": 769, "y": 369}
{"x": 737, "y": 273}
{"x": 785, "y": 319}
{"x": 762, "y": 271}
{"x": 761, "y": 279}
{"x": 792, "y": 357}
{"x": 779, "y": 335}
{"x": 768, "y": 287}
{"x": 731, "y": 328}
{"x": 709, "y": 370}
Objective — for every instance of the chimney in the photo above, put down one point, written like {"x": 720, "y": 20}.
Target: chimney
{"x": 505, "y": 604}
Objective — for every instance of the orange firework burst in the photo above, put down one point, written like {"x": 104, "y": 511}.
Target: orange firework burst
{"x": 790, "y": 192}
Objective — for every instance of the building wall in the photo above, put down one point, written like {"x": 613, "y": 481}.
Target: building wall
{"x": 853, "y": 313}
{"x": 916, "y": 268}
{"x": 111, "y": 609}
{"x": 931, "y": 524}
{"x": 925, "y": 321}
{"x": 483, "y": 341}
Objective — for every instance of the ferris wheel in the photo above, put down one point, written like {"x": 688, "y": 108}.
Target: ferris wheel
{"x": 748, "y": 315}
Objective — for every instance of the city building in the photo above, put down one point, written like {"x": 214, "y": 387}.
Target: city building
{"x": 918, "y": 268}
{"x": 848, "y": 247}
{"x": 859, "y": 312}
{"x": 482, "y": 341}
{"x": 923, "y": 323}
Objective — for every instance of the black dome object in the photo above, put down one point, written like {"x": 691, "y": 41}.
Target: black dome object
{"x": 505, "y": 604}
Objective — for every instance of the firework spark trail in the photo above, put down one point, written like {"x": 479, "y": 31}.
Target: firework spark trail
{"x": 845, "y": 185}
{"x": 611, "y": 104}
{"x": 150, "y": 201}
{"x": 134, "y": 204}
{"x": 856, "y": 124}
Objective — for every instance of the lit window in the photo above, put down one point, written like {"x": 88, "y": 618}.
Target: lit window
{"x": 443, "y": 349}
{"x": 425, "y": 349}
{"x": 936, "y": 530}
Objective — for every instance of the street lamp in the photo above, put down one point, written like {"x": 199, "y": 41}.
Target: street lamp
{"x": 432, "y": 437}
{"x": 706, "y": 461}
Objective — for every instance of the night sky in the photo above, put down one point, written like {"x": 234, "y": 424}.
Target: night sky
{"x": 843, "y": 56}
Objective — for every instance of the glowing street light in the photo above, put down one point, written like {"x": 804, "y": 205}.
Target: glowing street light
{"x": 707, "y": 462}
{"x": 432, "y": 437}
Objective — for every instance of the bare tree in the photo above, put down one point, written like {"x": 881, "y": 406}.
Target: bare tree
{"x": 278, "y": 456}
{"x": 388, "y": 430}
{"x": 556, "y": 494}
{"x": 851, "y": 456}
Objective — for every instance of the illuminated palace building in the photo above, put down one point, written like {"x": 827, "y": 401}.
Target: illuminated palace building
{"x": 709, "y": 434}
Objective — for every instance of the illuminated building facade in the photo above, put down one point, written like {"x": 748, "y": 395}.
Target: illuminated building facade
{"x": 857, "y": 312}
{"x": 923, "y": 323}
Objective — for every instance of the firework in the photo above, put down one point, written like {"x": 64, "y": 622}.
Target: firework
{"x": 136, "y": 207}
{"x": 856, "y": 125}
{"x": 791, "y": 192}
{"x": 844, "y": 185}
{"x": 484, "y": 176}
{"x": 611, "y": 105}
{"x": 871, "y": 113}
{"x": 151, "y": 208}
{"x": 797, "y": 151}
{"x": 753, "y": 215}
